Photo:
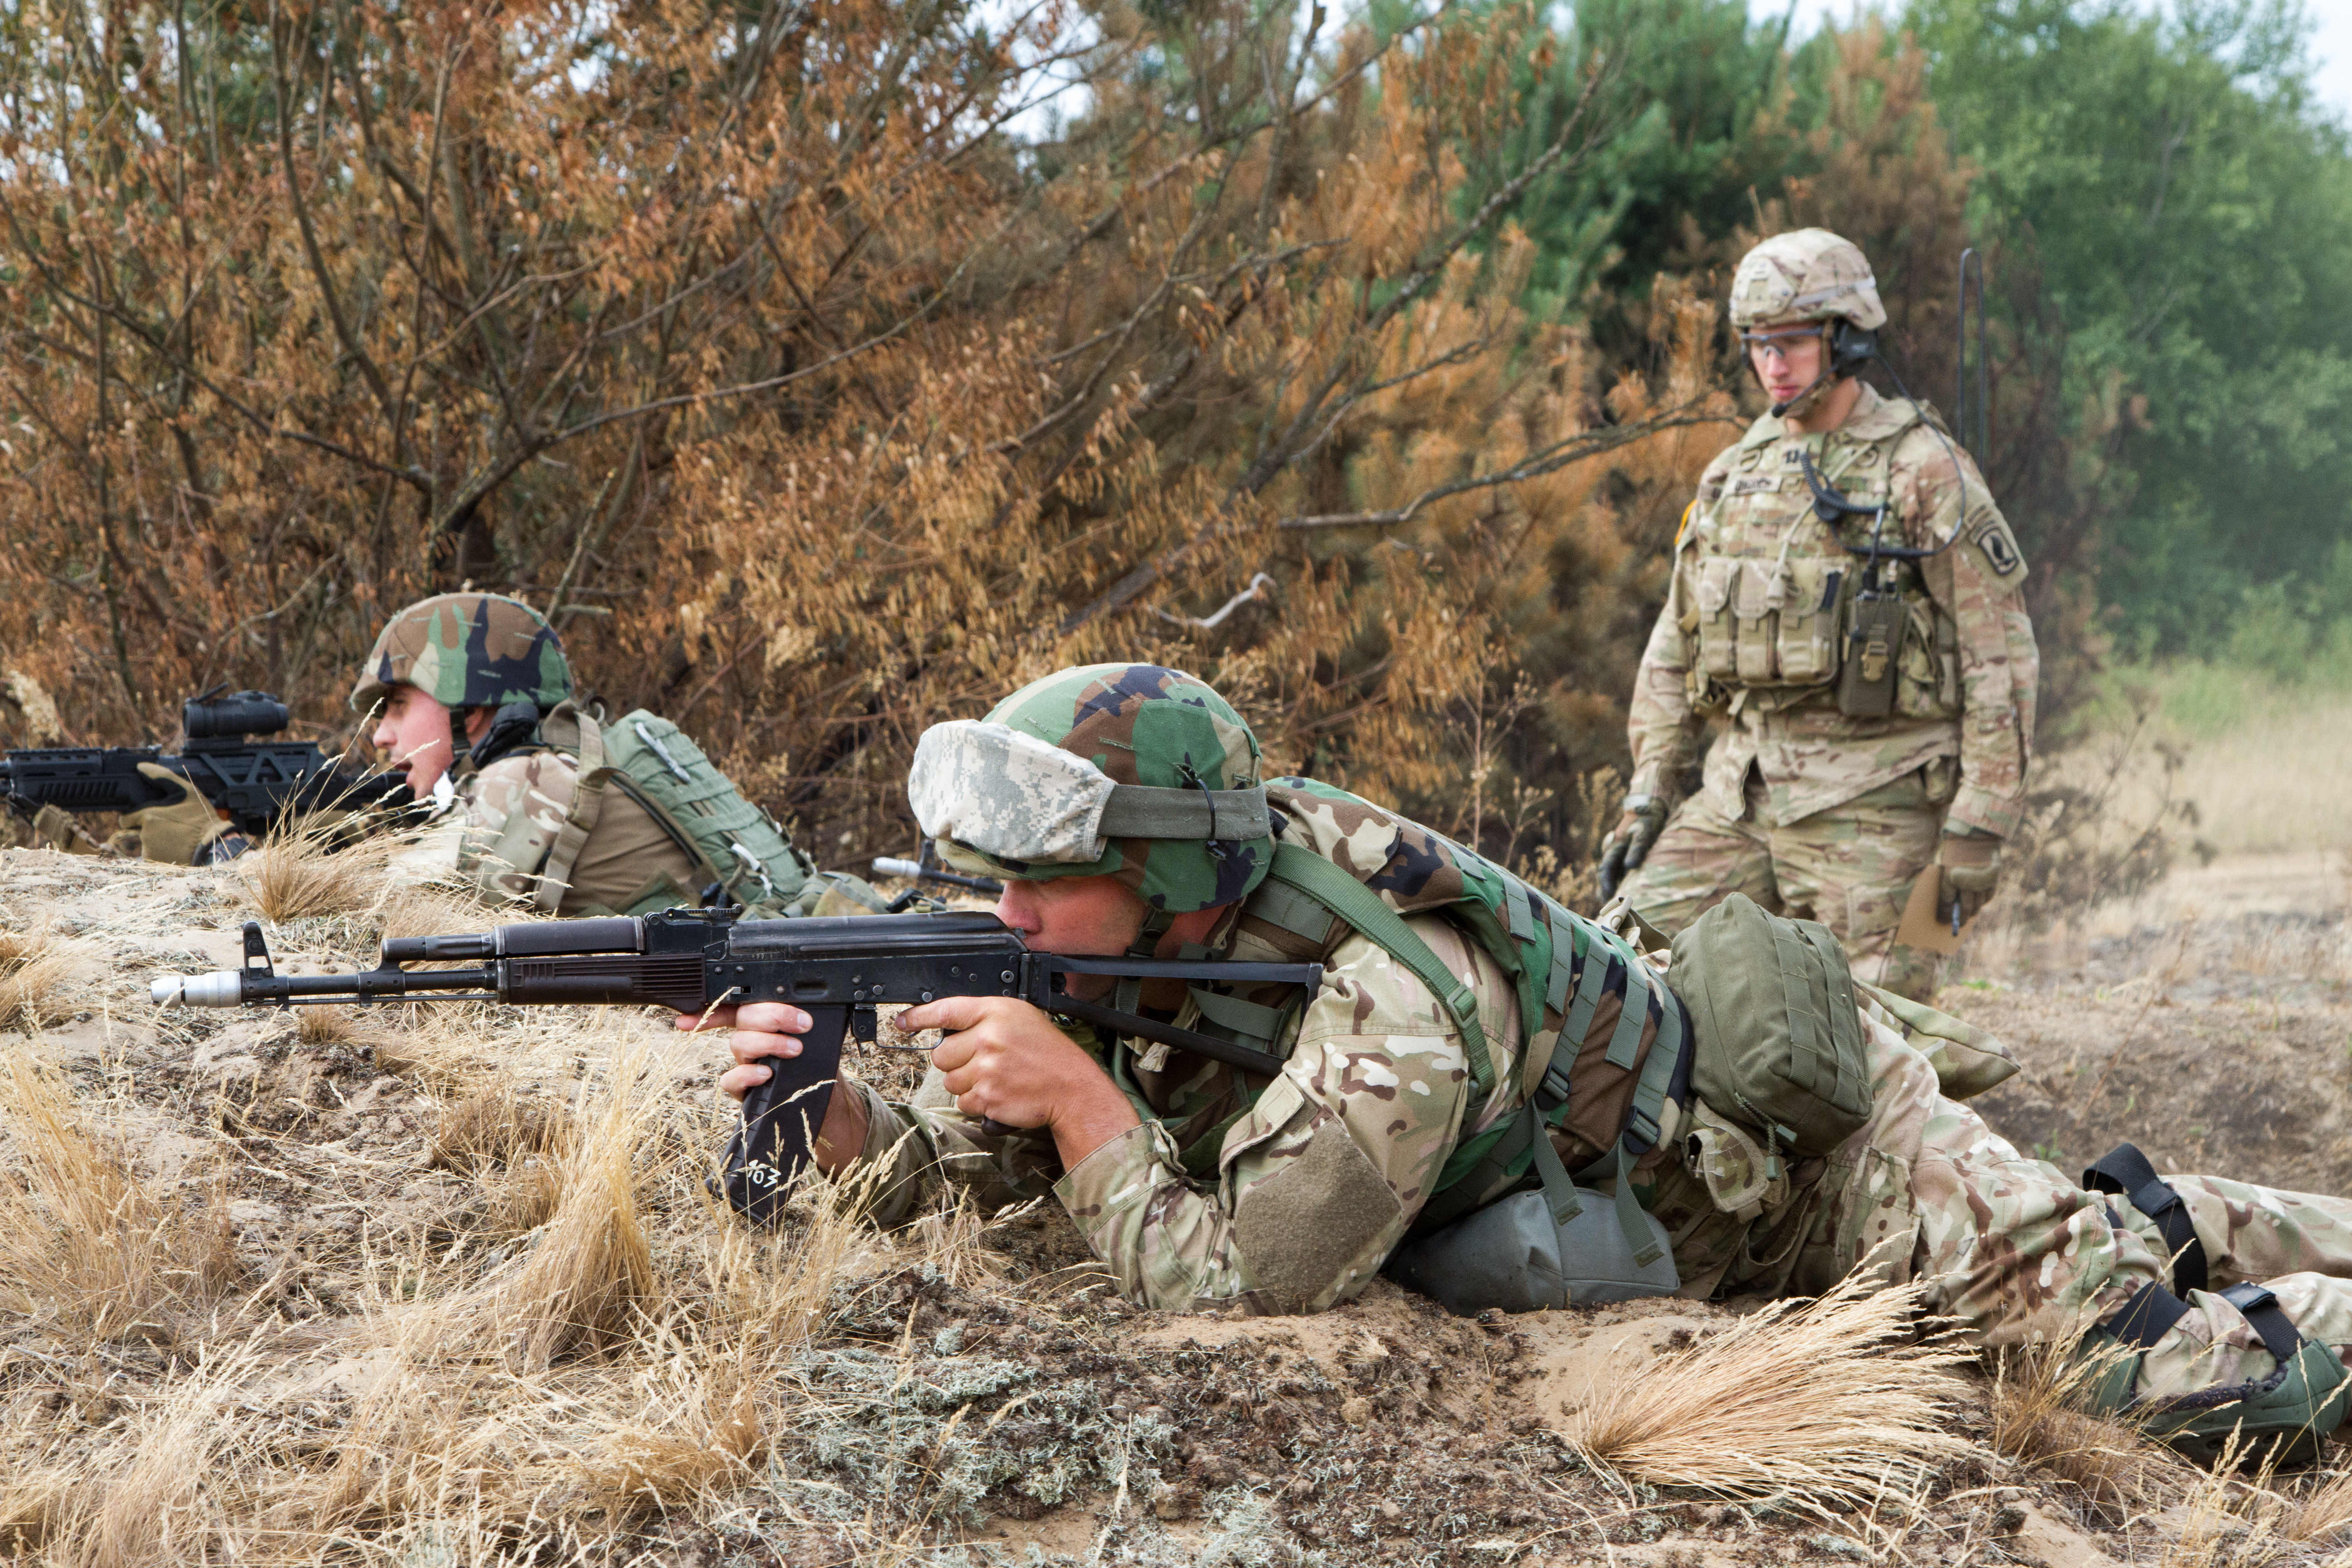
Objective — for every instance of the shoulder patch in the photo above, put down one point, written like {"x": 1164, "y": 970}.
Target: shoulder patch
{"x": 1997, "y": 546}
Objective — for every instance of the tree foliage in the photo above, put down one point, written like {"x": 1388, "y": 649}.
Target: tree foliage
{"x": 811, "y": 404}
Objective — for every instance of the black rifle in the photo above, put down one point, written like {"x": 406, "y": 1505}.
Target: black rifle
{"x": 258, "y": 782}
{"x": 689, "y": 961}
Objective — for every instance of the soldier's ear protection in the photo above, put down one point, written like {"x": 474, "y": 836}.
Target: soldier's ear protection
{"x": 1851, "y": 347}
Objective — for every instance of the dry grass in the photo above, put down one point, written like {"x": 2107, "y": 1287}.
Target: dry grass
{"x": 588, "y": 1263}
{"x": 1829, "y": 1406}
{"x": 82, "y": 1239}
{"x": 405, "y": 909}
{"x": 2038, "y": 1420}
{"x": 2230, "y": 1518}
{"x": 36, "y": 967}
{"x": 319, "y": 868}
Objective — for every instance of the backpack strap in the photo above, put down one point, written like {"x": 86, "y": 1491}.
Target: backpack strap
{"x": 1361, "y": 907}
{"x": 587, "y": 805}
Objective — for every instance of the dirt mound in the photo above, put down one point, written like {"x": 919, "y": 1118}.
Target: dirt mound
{"x": 446, "y": 1286}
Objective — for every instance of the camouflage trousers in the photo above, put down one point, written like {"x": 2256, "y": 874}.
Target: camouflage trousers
{"x": 2012, "y": 1248}
{"x": 1849, "y": 868}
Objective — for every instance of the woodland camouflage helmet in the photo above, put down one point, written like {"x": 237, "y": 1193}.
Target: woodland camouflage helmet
{"x": 467, "y": 651}
{"x": 1805, "y": 274}
{"x": 1129, "y": 771}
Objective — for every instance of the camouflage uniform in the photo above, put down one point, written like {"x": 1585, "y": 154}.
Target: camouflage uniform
{"x": 1803, "y": 808}
{"x": 1285, "y": 1193}
{"x": 494, "y": 837}
{"x": 2009, "y": 1247}
{"x": 1288, "y": 1193}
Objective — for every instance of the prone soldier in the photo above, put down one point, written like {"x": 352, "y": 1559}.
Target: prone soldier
{"x": 1473, "y": 1049}
{"x": 545, "y": 804}
{"x": 1846, "y": 600}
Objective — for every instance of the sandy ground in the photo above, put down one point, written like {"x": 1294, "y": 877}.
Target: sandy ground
{"x": 443, "y": 1288}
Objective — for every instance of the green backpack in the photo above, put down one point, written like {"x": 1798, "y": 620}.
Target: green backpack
{"x": 1781, "y": 1042}
{"x": 1563, "y": 967}
{"x": 732, "y": 841}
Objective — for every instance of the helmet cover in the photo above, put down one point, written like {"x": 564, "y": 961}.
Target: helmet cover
{"x": 1804, "y": 275}
{"x": 1043, "y": 787}
{"x": 467, "y": 651}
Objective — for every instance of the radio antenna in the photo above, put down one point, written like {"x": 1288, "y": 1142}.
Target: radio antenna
{"x": 1980, "y": 443}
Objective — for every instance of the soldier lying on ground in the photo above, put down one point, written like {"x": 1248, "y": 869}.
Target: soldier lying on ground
{"x": 1878, "y": 720}
{"x": 546, "y": 803}
{"x": 1418, "y": 1069}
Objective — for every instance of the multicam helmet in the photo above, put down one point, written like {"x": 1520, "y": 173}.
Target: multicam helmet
{"x": 1805, "y": 274}
{"x": 467, "y": 651}
{"x": 1129, "y": 771}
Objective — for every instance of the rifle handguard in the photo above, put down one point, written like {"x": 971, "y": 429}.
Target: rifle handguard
{"x": 838, "y": 971}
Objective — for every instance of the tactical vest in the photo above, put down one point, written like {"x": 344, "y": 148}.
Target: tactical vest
{"x": 651, "y": 763}
{"x": 1610, "y": 1049}
{"x": 1770, "y": 587}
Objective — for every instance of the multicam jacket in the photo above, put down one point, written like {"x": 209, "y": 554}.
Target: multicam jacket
{"x": 1750, "y": 628}
{"x": 1285, "y": 1195}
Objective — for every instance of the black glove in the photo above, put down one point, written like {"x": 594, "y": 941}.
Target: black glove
{"x": 1624, "y": 851}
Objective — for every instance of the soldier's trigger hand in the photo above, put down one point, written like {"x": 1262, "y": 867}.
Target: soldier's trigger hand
{"x": 1005, "y": 1060}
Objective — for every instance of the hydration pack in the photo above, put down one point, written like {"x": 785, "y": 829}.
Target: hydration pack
{"x": 732, "y": 841}
{"x": 1604, "y": 1045}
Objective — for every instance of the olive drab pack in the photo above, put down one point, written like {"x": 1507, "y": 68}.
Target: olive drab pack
{"x": 1609, "y": 1046}
{"x": 650, "y": 760}
{"x": 1781, "y": 1041}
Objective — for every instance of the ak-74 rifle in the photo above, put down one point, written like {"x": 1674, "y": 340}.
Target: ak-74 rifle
{"x": 230, "y": 758}
{"x": 837, "y": 971}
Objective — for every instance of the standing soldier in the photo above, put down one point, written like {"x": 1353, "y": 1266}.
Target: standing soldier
{"x": 547, "y": 804}
{"x": 1846, "y": 598}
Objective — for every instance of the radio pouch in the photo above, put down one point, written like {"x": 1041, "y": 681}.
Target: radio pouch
{"x": 1875, "y": 625}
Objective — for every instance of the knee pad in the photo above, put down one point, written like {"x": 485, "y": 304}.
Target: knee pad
{"x": 2287, "y": 1414}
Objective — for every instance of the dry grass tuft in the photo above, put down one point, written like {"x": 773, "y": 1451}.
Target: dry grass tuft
{"x": 2323, "y": 1515}
{"x": 588, "y": 1264}
{"x": 497, "y": 1128}
{"x": 321, "y": 865}
{"x": 2038, "y": 1420}
{"x": 36, "y": 967}
{"x": 423, "y": 909}
{"x": 153, "y": 1504}
{"x": 2229, "y": 1519}
{"x": 82, "y": 1239}
{"x": 1828, "y": 1406}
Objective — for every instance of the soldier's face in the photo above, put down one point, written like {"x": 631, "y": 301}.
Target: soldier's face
{"x": 1077, "y": 917}
{"x": 414, "y": 733}
{"x": 1787, "y": 360}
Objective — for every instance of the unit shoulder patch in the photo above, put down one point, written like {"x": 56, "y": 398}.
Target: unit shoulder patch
{"x": 1997, "y": 546}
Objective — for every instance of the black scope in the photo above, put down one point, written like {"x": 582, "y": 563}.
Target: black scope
{"x": 238, "y": 713}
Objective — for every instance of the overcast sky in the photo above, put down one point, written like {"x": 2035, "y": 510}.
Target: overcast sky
{"x": 2331, "y": 43}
